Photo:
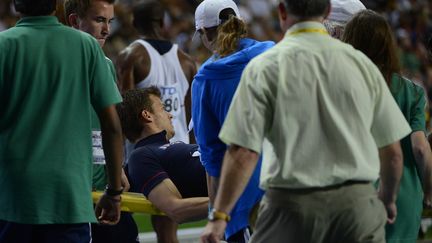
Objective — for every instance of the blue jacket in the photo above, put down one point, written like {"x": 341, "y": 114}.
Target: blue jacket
{"x": 212, "y": 91}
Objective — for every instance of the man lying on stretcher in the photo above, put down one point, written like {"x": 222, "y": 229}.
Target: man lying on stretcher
{"x": 169, "y": 175}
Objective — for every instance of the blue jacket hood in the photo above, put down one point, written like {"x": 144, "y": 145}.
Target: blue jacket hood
{"x": 229, "y": 67}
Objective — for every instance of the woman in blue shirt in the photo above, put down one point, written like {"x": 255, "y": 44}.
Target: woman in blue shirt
{"x": 224, "y": 33}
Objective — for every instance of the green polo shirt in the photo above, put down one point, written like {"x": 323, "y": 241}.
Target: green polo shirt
{"x": 51, "y": 78}
{"x": 99, "y": 175}
{"x": 323, "y": 107}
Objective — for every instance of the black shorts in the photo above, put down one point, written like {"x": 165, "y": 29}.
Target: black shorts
{"x": 125, "y": 231}
{"x": 46, "y": 233}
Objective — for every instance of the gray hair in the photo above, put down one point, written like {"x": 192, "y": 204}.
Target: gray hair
{"x": 306, "y": 8}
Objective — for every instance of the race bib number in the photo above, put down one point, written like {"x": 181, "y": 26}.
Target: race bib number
{"x": 98, "y": 153}
{"x": 171, "y": 99}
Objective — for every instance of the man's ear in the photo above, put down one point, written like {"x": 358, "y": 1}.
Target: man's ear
{"x": 73, "y": 20}
{"x": 146, "y": 116}
{"x": 283, "y": 17}
{"x": 282, "y": 12}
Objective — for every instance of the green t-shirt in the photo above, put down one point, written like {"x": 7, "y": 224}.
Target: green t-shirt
{"x": 50, "y": 78}
{"x": 411, "y": 100}
{"x": 99, "y": 176}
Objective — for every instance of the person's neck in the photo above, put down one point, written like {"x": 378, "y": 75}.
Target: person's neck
{"x": 153, "y": 36}
{"x": 147, "y": 132}
{"x": 44, "y": 15}
{"x": 291, "y": 21}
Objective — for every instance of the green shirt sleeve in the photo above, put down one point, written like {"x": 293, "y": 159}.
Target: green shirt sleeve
{"x": 111, "y": 68}
{"x": 418, "y": 116}
{"x": 103, "y": 87}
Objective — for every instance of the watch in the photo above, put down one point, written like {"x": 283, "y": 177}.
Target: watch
{"x": 214, "y": 215}
{"x": 111, "y": 192}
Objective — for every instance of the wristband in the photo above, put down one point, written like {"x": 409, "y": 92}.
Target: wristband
{"x": 111, "y": 192}
{"x": 216, "y": 215}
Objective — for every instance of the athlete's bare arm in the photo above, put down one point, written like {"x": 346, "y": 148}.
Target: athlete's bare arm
{"x": 133, "y": 65}
{"x": 188, "y": 65}
{"x": 167, "y": 198}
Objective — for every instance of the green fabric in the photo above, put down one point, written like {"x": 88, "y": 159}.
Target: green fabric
{"x": 99, "y": 176}
{"x": 411, "y": 100}
{"x": 94, "y": 117}
{"x": 50, "y": 77}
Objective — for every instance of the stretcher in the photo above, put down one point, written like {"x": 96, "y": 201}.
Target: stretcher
{"x": 132, "y": 202}
{"x": 138, "y": 203}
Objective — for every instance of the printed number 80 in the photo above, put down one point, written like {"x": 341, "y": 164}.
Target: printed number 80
{"x": 170, "y": 105}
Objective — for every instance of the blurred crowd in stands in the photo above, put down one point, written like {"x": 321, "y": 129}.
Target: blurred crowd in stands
{"x": 410, "y": 19}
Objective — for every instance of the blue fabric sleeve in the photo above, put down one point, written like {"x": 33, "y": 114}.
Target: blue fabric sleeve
{"x": 206, "y": 128}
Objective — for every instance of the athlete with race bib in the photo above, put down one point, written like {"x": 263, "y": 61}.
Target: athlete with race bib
{"x": 153, "y": 61}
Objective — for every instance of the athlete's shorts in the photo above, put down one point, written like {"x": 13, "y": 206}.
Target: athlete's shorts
{"x": 125, "y": 231}
{"x": 242, "y": 236}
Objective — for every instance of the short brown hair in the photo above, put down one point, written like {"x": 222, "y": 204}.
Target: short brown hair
{"x": 80, "y": 7}
{"x": 129, "y": 111}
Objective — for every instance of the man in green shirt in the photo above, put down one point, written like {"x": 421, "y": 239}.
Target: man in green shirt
{"x": 45, "y": 129}
{"x": 95, "y": 17}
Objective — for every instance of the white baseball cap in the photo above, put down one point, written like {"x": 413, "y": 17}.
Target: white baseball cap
{"x": 207, "y": 13}
{"x": 343, "y": 10}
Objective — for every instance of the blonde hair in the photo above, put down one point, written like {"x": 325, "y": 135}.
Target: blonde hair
{"x": 229, "y": 34}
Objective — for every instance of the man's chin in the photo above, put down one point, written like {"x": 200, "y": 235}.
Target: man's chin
{"x": 170, "y": 134}
{"x": 101, "y": 42}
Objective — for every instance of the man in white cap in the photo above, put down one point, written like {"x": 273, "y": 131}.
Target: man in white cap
{"x": 340, "y": 13}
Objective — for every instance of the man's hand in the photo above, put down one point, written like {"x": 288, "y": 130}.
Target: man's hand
{"x": 391, "y": 212}
{"x": 390, "y": 207}
{"x": 108, "y": 209}
{"x": 214, "y": 231}
{"x": 124, "y": 182}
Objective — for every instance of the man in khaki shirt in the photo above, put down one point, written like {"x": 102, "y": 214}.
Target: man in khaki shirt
{"x": 331, "y": 128}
